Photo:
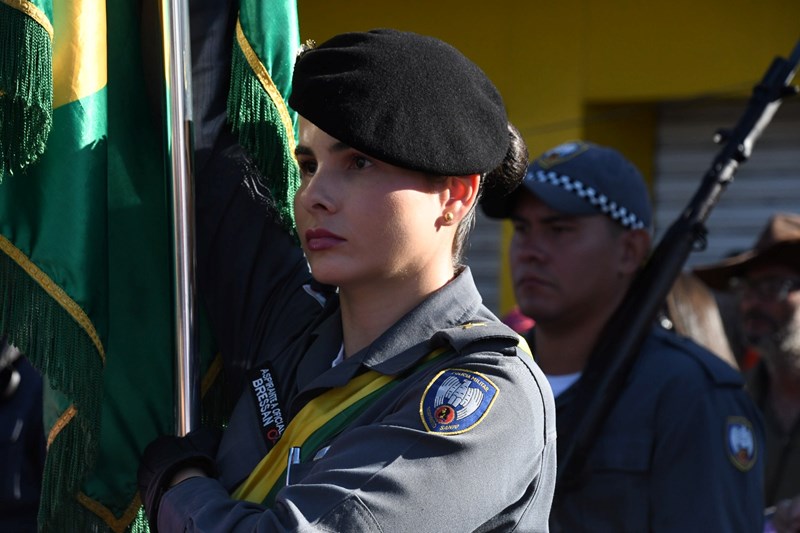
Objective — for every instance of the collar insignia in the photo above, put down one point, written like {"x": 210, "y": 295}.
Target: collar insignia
{"x": 561, "y": 153}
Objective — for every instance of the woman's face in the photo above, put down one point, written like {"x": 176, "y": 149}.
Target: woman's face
{"x": 362, "y": 221}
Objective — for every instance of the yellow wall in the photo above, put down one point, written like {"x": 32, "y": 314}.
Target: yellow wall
{"x": 590, "y": 69}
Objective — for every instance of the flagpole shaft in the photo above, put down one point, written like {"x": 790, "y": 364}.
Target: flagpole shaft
{"x": 179, "y": 146}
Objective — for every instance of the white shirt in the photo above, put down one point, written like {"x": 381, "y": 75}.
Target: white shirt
{"x": 562, "y": 382}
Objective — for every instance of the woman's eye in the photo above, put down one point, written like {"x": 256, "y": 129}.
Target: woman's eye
{"x": 307, "y": 167}
{"x": 360, "y": 161}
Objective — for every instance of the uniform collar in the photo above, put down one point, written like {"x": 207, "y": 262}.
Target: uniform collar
{"x": 407, "y": 342}
{"x": 324, "y": 342}
{"x": 400, "y": 347}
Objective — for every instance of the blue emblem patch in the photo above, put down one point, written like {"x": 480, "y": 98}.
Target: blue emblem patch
{"x": 562, "y": 152}
{"x": 455, "y": 401}
{"x": 741, "y": 442}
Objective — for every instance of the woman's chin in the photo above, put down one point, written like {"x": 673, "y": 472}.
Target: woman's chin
{"x": 327, "y": 274}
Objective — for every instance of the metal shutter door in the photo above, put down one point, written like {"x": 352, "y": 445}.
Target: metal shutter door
{"x": 768, "y": 182}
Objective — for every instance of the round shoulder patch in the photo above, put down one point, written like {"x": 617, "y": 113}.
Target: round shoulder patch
{"x": 456, "y": 401}
{"x": 741, "y": 442}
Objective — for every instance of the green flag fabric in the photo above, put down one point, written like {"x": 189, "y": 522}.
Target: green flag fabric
{"x": 85, "y": 254}
{"x": 266, "y": 43}
{"x": 85, "y": 270}
{"x": 26, "y": 87}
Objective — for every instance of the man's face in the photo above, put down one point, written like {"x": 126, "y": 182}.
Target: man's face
{"x": 769, "y": 301}
{"x": 565, "y": 268}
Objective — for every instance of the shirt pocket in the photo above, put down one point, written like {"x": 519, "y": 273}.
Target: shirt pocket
{"x": 616, "y": 497}
{"x": 630, "y": 453}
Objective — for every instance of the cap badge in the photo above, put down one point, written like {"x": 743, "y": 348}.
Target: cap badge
{"x": 562, "y": 152}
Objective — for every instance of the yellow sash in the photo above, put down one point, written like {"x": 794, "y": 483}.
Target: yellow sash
{"x": 313, "y": 416}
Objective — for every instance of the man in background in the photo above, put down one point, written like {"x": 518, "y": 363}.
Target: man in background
{"x": 681, "y": 448}
{"x": 766, "y": 283}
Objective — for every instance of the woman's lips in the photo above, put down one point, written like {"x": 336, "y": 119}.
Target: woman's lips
{"x": 322, "y": 239}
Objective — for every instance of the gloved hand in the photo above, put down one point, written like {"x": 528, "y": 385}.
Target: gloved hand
{"x": 166, "y": 456}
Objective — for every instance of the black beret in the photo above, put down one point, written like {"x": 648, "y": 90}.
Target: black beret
{"x": 406, "y": 99}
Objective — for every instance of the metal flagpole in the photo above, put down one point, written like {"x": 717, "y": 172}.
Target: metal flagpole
{"x": 179, "y": 152}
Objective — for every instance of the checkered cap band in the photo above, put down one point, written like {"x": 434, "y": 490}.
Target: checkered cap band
{"x": 607, "y": 206}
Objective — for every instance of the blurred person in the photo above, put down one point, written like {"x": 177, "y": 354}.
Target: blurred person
{"x": 681, "y": 449}
{"x": 766, "y": 282}
{"x": 517, "y": 321}
{"x": 691, "y": 310}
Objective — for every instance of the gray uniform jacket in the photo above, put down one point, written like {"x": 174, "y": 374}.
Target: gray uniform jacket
{"x": 391, "y": 470}
{"x": 682, "y": 450}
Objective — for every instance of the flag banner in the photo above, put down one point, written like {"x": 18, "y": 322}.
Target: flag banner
{"x": 266, "y": 42}
{"x": 85, "y": 268}
{"x": 26, "y": 85}
{"x": 85, "y": 251}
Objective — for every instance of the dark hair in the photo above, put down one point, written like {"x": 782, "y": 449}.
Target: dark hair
{"x": 512, "y": 169}
{"x": 507, "y": 176}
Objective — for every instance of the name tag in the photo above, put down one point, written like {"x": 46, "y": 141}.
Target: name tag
{"x": 266, "y": 395}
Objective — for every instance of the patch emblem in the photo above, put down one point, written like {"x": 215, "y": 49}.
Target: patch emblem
{"x": 741, "y": 442}
{"x": 267, "y": 398}
{"x": 562, "y": 152}
{"x": 456, "y": 400}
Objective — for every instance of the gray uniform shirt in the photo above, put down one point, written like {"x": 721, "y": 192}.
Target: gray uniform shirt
{"x": 394, "y": 468}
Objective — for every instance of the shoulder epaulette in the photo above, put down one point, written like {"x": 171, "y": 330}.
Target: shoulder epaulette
{"x": 714, "y": 367}
{"x": 477, "y": 336}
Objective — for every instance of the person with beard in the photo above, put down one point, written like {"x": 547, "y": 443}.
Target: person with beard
{"x": 766, "y": 280}
{"x": 681, "y": 450}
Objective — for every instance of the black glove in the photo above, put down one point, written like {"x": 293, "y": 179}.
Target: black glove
{"x": 166, "y": 456}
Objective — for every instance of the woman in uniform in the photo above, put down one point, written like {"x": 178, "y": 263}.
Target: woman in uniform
{"x": 380, "y": 394}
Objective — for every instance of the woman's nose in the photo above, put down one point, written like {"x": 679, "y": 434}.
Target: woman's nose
{"x": 316, "y": 193}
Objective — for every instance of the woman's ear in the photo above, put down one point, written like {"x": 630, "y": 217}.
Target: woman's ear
{"x": 461, "y": 193}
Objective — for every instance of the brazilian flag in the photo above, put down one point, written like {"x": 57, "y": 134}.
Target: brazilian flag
{"x": 85, "y": 252}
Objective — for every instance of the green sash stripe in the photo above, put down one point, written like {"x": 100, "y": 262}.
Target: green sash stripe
{"x": 333, "y": 427}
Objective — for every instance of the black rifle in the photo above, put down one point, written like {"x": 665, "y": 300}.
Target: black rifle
{"x": 618, "y": 347}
